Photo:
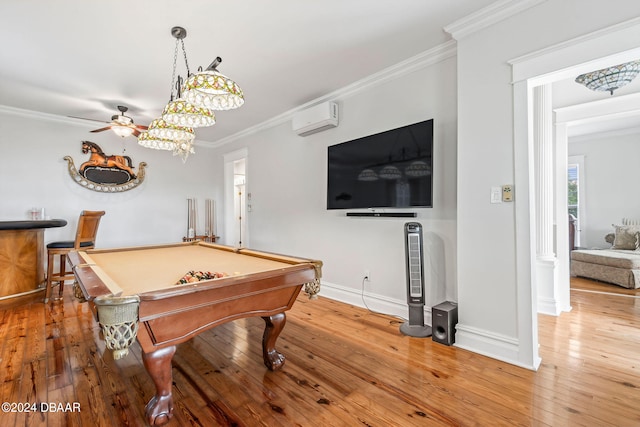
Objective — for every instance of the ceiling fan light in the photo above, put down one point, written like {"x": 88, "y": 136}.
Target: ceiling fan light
{"x": 122, "y": 119}
{"x": 122, "y": 131}
{"x": 212, "y": 90}
{"x": 182, "y": 113}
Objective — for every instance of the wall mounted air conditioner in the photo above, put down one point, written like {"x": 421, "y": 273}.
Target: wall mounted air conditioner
{"x": 315, "y": 119}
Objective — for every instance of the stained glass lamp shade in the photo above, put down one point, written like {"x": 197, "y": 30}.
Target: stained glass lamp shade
{"x": 612, "y": 78}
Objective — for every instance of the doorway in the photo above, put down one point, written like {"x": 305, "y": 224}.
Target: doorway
{"x": 235, "y": 196}
{"x": 558, "y": 62}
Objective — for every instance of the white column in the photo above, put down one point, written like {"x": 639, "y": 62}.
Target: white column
{"x": 563, "y": 272}
{"x": 543, "y": 143}
{"x": 544, "y": 170}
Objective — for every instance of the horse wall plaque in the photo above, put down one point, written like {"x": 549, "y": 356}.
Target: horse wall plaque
{"x": 106, "y": 174}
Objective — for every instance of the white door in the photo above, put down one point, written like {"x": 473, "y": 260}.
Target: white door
{"x": 235, "y": 196}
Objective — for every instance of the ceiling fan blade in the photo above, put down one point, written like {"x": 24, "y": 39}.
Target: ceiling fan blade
{"x": 117, "y": 122}
{"x": 136, "y": 133}
{"x": 91, "y": 120}
{"x": 101, "y": 129}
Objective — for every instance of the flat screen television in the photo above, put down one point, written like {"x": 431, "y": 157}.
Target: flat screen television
{"x": 391, "y": 169}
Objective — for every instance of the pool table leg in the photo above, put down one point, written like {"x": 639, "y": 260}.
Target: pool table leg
{"x": 159, "y": 410}
{"x": 274, "y": 324}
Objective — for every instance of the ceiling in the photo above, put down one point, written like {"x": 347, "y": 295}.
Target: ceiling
{"x": 79, "y": 58}
{"x": 83, "y": 59}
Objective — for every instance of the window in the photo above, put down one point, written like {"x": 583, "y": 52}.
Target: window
{"x": 572, "y": 190}
{"x": 575, "y": 194}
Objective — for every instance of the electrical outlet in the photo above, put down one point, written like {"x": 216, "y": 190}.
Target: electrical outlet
{"x": 367, "y": 276}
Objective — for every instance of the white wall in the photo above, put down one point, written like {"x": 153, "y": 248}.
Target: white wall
{"x": 610, "y": 183}
{"x": 287, "y": 177}
{"x": 33, "y": 173}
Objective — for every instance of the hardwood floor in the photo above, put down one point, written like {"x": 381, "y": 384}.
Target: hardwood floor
{"x": 345, "y": 367}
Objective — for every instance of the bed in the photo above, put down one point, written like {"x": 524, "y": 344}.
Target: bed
{"x": 619, "y": 264}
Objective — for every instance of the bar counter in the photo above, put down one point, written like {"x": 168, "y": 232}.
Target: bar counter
{"x": 22, "y": 255}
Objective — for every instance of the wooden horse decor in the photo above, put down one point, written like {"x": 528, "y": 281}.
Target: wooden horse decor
{"x": 105, "y": 173}
{"x": 98, "y": 158}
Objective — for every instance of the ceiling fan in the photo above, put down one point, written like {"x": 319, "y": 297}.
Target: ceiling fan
{"x": 120, "y": 124}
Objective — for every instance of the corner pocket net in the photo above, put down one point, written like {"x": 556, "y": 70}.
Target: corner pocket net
{"x": 118, "y": 318}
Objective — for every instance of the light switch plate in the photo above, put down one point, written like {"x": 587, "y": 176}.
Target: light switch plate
{"x": 496, "y": 195}
{"x": 507, "y": 193}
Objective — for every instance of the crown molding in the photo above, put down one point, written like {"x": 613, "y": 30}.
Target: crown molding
{"x": 36, "y": 114}
{"x": 422, "y": 60}
{"x": 488, "y": 16}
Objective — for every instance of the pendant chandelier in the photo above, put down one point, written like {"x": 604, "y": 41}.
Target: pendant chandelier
{"x": 390, "y": 172}
{"x": 182, "y": 113}
{"x": 149, "y": 141}
{"x": 418, "y": 169}
{"x": 367, "y": 175}
{"x": 165, "y": 136}
{"x": 212, "y": 91}
{"x": 183, "y": 149}
{"x": 611, "y": 78}
{"x": 180, "y": 148}
{"x": 179, "y": 111}
{"x": 162, "y": 130}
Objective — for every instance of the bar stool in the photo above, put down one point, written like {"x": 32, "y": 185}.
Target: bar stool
{"x": 85, "y": 239}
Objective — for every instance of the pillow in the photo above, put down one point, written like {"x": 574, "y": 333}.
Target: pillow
{"x": 609, "y": 238}
{"x": 626, "y": 237}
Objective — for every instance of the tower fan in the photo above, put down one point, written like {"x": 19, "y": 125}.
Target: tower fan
{"x": 415, "y": 327}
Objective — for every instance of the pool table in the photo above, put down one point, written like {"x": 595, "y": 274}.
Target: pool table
{"x": 134, "y": 295}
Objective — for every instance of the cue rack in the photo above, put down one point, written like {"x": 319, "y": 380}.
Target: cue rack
{"x": 192, "y": 221}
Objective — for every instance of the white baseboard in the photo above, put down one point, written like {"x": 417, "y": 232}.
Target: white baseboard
{"x": 549, "y": 306}
{"x": 374, "y": 302}
{"x": 496, "y": 346}
{"x": 486, "y": 343}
